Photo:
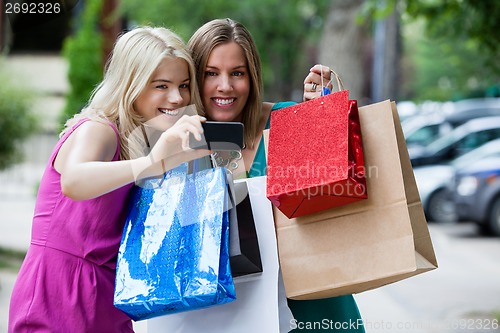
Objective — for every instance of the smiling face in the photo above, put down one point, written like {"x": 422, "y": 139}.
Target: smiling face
{"x": 167, "y": 92}
{"x": 226, "y": 84}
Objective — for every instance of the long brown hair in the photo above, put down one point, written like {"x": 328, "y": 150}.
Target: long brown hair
{"x": 221, "y": 31}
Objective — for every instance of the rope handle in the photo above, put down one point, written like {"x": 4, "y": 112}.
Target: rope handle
{"x": 326, "y": 90}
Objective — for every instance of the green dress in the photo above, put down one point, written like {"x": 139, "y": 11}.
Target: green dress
{"x": 323, "y": 315}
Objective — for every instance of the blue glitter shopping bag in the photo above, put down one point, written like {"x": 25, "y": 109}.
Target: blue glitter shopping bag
{"x": 173, "y": 255}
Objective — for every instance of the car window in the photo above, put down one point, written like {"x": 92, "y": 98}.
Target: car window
{"x": 491, "y": 149}
{"x": 446, "y": 140}
{"x": 474, "y": 140}
{"x": 424, "y": 135}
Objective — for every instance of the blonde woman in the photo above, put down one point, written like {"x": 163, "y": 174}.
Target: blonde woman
{"x": 67, "y": 279}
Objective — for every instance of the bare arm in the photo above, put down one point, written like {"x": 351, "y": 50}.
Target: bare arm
{"x": 87, "y": 171}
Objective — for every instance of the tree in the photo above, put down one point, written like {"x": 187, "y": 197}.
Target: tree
{"x": 463, "y": 43}
{"x": 16, "y": 121}
{"x": 84, "y": 53}
{"x": 444, "y": 69}
{"x": 471, "y": 20}
{"x": 457, "y": 56}
{"x": 364, "y": 50}
{"x": 345, "y": 46}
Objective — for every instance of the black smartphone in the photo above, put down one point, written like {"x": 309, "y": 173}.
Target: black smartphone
{"x": 220, "y": 135}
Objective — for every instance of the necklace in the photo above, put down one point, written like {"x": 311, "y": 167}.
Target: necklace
{"x": 228, "y": 159}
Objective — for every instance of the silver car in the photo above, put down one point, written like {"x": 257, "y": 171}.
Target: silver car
{"x": 459, "y": 141}
{"x": 433, "y": 181}
{"x": 476, "y": 194}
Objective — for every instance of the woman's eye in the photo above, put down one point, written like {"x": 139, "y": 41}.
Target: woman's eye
{"x": 209, "y": 73}
{"x": 184, "y": 86}
{"x": 162, "y": 86}
{"x": 238, "y": 73}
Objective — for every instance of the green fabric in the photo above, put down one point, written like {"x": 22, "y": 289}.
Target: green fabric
{"x": 323, "y": 315}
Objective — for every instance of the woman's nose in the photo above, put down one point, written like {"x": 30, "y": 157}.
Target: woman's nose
{"x": 224, "y": 83}
{"x": 175, "y": 96}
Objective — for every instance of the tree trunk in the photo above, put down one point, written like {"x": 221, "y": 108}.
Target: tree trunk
{"x": 111, "y": 26}
{"x": 345, "y": 48}
{"x": 387, "y": 55}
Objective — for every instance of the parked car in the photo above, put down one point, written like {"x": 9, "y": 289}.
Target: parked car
{"x": 467, "y": 109}
{"x": 459, "y": 141}
{"x": 437, "y": 119}
{"x": 433, "y": 182}
{"x": 476, "y": 194}
{"x": 420, "y": 131}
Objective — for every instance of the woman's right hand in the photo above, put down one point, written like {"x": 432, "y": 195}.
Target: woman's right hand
{"x": 313, "y": 82}
{"x": 172, "y": 148}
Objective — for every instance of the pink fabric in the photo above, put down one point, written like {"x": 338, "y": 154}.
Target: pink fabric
{"x": 67, "y": 279}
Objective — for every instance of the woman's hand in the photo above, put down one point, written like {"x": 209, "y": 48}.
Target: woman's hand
{"x": 172, "y": 148}
{"x": 313, "y": 84}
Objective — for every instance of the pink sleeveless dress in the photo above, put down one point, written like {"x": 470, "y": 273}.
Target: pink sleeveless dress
{"x": 67, "y": 279}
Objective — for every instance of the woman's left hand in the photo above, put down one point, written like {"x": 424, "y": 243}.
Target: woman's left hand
{"x": 312, "y": 83}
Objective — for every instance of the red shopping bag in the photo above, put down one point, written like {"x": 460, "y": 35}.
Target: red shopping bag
{"x": 315, "y": 156}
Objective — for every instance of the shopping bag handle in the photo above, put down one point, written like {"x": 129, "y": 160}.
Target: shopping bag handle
{"x": 326, "y": 90}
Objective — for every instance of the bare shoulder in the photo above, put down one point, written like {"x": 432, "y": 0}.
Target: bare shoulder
{"x": 97, "y": 129}
{"x": 97, "y": 133}
{"x": 91, "y": 141}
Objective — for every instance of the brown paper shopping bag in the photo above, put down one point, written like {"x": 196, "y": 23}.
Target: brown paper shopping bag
{"x": 367, "y": 244}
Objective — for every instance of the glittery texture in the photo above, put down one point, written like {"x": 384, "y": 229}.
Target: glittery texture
{"x": 173, "y": 255}
{"x": 315, "y": 156}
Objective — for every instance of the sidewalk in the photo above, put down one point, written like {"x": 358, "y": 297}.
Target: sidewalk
{"x": 17, "y": 201}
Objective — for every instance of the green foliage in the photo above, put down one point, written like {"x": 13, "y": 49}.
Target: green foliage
{"x": 446, "y": 70}
{"x": 84, "y": 54}
{"x": 474, "y": 20}
{"x": 11, "y": 259}
{"x": 458, "y": 20}
{"x": 283, "y": 31}
{"x": 16, "y": 121}
{"x": 451, "y": 46}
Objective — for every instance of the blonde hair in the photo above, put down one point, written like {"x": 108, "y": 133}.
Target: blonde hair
{"x": 135, "y": 57}
{"x": 221, "y": 31}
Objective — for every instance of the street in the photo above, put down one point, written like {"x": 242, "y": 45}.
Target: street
{"x": 461, "y": 295}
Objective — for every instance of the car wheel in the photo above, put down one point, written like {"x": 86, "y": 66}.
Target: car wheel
{"x": 494, "y": 221}
{"x": 440, "y": 208}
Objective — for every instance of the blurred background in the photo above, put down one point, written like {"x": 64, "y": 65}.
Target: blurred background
{"x": 438, "y": 59}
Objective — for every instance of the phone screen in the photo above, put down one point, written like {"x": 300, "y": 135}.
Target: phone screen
{"x": 218, "y": 135}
